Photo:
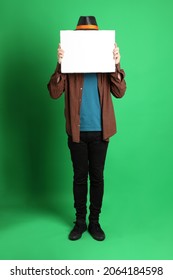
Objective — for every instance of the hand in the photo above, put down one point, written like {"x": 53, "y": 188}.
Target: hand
{"x": 116, "y": 54}
{"x": 60, "y": 54}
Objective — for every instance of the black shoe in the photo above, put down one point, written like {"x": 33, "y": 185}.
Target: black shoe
{"x": 77, "y": 231}
{"x": 96, "y": 232}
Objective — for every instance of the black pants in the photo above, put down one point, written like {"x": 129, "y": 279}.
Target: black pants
{"x": 88, "y": 158}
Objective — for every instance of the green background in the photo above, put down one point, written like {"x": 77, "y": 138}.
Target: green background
{"x": 36, "y": 205}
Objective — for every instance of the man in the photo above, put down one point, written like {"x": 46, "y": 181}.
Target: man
{"x": 90, "y": 122}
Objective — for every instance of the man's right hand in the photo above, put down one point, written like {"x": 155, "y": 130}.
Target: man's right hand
{"x": 60, "y": 54}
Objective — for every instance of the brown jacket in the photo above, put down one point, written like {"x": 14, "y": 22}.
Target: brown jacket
{"x": 72, "y": 85}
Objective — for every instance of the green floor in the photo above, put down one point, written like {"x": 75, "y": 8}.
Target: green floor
{"x": 42, "y": 234}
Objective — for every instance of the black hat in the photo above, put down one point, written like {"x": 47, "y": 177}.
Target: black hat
{"x": 87, "y": 23}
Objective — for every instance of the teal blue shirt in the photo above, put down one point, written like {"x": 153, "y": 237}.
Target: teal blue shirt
{"x": 90, "y": 111}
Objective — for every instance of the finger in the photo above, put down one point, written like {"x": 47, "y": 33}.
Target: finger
{"x": 60, "y": 52}
{"x": 116, "y": 52}
{"x": 116, "y": 49}
{"x": 117, "y": 56}
{"x": 59, "y": 47}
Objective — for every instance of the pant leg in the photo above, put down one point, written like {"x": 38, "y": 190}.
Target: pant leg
{"x": 97, "y": 155}
{"x": 79, "y": 157}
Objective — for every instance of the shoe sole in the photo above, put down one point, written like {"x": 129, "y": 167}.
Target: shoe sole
{"x": 74, "y": 239}
{"x": 95, "y": 238}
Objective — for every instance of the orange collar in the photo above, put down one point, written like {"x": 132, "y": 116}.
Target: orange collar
{"x": 87, "y": 26}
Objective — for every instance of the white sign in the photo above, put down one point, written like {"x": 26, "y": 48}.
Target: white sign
{"x": 88, "y": 51}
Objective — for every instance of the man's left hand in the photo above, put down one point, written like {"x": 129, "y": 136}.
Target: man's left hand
{"x": 116, "y": 54}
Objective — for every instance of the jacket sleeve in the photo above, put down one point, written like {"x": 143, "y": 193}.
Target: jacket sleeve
{"x": 56, "y": 85}
{"x": 117, "y": 86}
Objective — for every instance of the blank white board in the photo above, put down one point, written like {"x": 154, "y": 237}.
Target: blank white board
{"x": 87, "y": 51}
